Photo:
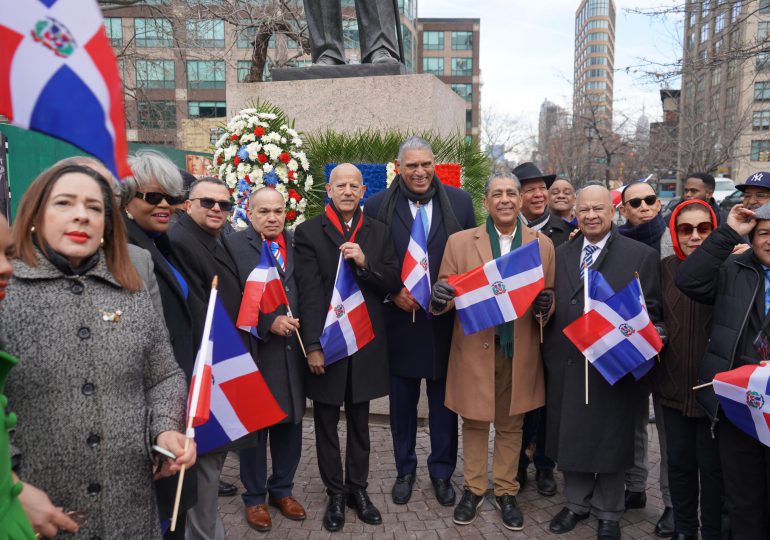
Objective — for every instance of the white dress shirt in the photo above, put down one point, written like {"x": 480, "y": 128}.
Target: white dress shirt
{"x": 599, "y": 245}
{"x": 506, "y": 240}
{"x": 428, "y": 211}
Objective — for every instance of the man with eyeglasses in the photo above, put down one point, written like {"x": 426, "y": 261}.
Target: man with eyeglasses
{"x": 756, "y": 190}
{"x": 196, "y": 243}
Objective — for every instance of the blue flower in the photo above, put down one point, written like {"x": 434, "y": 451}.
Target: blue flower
{"x": 243, "y": 153}
{"x": 271, "y": 179}
{"x": 242, "y": 186}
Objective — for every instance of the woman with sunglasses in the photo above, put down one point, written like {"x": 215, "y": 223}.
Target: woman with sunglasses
{"x": 96, "y": 384}
{"x": 694, "y": 471}
{"x": 147, "y": 200}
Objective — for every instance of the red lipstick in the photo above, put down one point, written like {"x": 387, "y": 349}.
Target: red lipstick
{"x": 78, "y": 237}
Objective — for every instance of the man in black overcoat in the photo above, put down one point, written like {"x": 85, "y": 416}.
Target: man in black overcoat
{"x": 365, "y": 245}
{"x": 419, "y": 347}
{"x": 201, "y": 256}
{"x": 280, "y": 361}
{"x": 593, "y": 444}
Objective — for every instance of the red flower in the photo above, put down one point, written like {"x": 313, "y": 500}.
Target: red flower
{"x": 219, "y": 159}
{"x": 262, "y": 158}
{"x": 285, "y": 157}
{"x": 237, "y": 160}
{"x": 294, "y": 195}
{"x": 291, "y": 215}
{"x": 247, "y": 178}
{"x": 259, "y": 131}
{"x": 292, "y": 175}
{"x": 234, "y": 137}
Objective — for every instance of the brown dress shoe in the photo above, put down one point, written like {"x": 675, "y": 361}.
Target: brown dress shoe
{"x": 259, "y": 518}
{"x": 289, "y": 507}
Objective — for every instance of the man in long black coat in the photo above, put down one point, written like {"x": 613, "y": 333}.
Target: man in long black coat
{"x": 353, "y": 381}
{"x": 280, "y": 361}
{"x": 419, "y": 347}
{"x": 593, "y": 444}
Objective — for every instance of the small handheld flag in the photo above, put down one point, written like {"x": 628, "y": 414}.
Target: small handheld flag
{"x": 744, "y": 394}
{"x": 415, "y": 272}
{"x": 263, "y": 292}
{"x": 499, "y": 291}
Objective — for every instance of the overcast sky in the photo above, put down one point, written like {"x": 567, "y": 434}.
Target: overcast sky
{"x": 527, "y": 52}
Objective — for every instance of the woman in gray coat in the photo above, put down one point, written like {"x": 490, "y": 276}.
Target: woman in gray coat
{"x": 97, "y": 383}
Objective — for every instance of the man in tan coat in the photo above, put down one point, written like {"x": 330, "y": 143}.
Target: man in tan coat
{"x": 495, "y": 375}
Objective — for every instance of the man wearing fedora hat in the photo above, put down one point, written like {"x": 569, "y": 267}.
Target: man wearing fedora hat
{"x": 535, "y": 214}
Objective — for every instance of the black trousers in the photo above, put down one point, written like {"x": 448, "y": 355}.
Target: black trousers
{"x": 327, "y": 443}
{"x": 746, "y": 471}
{"x": 534, "y": 430}
{"x": 694, "y": 472}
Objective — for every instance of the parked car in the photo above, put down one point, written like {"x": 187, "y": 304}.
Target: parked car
{"x": 731, "y": 200}
{"x": 724, "y": 187}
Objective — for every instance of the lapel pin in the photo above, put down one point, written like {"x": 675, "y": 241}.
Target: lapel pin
{"x": 111, "y": 316}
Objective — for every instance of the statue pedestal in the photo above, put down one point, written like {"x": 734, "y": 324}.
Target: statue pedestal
{"x": 397, "y": 102}
{"x": 338, "y": 72}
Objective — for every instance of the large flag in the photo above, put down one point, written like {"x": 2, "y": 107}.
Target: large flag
{"x": 263, "y": 292}
{"x": 348, "y": 326}
{"x": 59, "y": 76}
{"x": 415, "y": 272}
{"x": 616, "y": 335}
{"x": 744, "y": 394}
{"x": 499, "y": 291}
{"x": 233, "y": 399}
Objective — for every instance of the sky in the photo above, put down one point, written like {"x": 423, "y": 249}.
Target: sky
{"x": 527, "y": 53}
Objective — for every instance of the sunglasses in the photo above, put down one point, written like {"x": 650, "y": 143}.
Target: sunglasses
{"x": 208, "y": 203}
{"x": 636, "y": 202}
{"x": 686, "y": 229}
{"x": 154, "y": 198}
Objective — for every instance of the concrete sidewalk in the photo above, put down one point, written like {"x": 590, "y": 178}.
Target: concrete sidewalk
{"x": 423, "y": 517}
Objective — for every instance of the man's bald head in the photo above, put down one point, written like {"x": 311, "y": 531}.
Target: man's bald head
{"x": 594, "y": 210}
{"x": 346, "y": 188}
{"x": 345, "y": 170}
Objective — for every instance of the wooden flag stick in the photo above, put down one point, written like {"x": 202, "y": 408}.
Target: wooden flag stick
{"x": 540, "y": 320}
{"x": 702, "y": 386}
{"x": 196, "y": 392}
{"x": 296, "y": 331}
{"x": 413, "y": 314}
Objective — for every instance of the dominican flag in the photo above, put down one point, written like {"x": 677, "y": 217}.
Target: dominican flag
{"x": 263, "y": 292}
{"x": 616, "y": 335}
{"x": 744, "y": 394}
{"x": 415, "y": 272}
{"x": 59, "y": 76}
{"x": 348, "y": 326}
{"x": 500, "y": 290}
{"x": 232, "y": 399}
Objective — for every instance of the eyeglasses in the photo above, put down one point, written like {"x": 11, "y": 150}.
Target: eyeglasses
{"x": 636, "y": 202}
{"x": 686, "y": 229}
{"x": 209, "y": 203}
{"x": 758, "y": 195}
{"x": 154, "y": 198}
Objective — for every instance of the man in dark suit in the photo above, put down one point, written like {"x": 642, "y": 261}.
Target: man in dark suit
{"x": 594, "y": 443}
{"x": 365, "y": 245}
{"x": 201, "y": 256}
{"x": 419, "y": 347}
{"x": 280, "y": 361}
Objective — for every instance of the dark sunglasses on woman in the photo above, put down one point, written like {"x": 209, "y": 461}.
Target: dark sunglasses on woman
{"x": 686, "y": 229}
{"x": 154, "y": 198}
{"x": 636, "y": 202}
{"x": 208, "y": 203}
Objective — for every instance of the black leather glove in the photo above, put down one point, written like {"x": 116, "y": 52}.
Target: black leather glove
{"x": 542, "y": 303}
{"x": 663, "y": 334}
{"x": 442, "y": 294}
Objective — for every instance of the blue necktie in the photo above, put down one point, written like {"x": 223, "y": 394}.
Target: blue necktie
{"x": 588, "y": 258}
{"x": 423, "y": 217}
{"x": 767, "y": 290}
{"x": 276, "y": 251}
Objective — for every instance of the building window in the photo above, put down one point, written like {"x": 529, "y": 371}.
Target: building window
{"x": 730, "y": 95}
{"x": 704, "y": 32}
{"x": 764, "y": 6}
{"x": 736, "y": 10}
{"x": 246, "y": 36}
{"x": 468, "y": 119}
{"x": 206, "y": 109}
{"x": 113, "y": 26}
{"x": 704, "y": 9}
{"x": 596, "y": 85}
{"x": 760, "y": 150}
{"x": 716, "y": 77}
{"x": 433, "y": 41}
{"x": 691, "y": 40}
{"x": 597, "y": 61}
{"x": 762, "y": 91}
{"x": 465, "y": 91}
{"x": 598, "y": 36}
{"x": 409, "y": 52}
{"x": 153, "y": 33}
{"x": 763, "y": 29}
{"x": 215, "y": 134}
{"x": 597, "y": 49}
{"x": 434, "y": 66}
{"x": 155, "y": 74}
{"x": 156, "y": 114}
{"x": 763, "y": 61}
{"x": 719, "y": 22}
{"x": 350, "y": 34}
{"x": 206, "y": 33}
{"x": 760, "y": 121}
{"x": 593, "y": 73}
{"x": 462, "y": 41}
{"x": 600, "y": 23}
{"x": 462, "y": 67}
{"x": 205, "y": 74}
{"x": 598, "y": 8}
{"x": 244, "y": 68}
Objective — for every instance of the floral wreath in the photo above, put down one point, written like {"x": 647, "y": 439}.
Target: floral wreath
{"x": 260, "y": 148}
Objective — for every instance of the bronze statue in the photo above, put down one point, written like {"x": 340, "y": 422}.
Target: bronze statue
{"x": 376, "y": 26}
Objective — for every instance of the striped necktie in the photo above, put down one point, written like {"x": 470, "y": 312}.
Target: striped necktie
{"x": 276, "y": 251}
{"x": 423, "y": 217}
{"x": 588, "y": 258}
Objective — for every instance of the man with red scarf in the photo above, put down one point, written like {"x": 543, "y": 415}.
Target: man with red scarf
{"x": 366, "y": 246}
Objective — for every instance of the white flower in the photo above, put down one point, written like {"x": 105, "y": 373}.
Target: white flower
{"x": 230, "y": 152}
{"x": 253, "y": 150}
{"x": 267, "y": 116}
{"x": 247, "y": 111}
{"x": 308, "y": 183}
{"x": 256, "y": 174}
{"x": 249, "y": 137}
{"x": 283, "y": 140}
{"x": 292, "y": 133}
{"x": 267, "y": 168}
{"x": 230, "y": 168}
{"x": 222, "y": 140}
{"x": 222, "y": 170}
{"x": 296, "y": 142}
{"x": 232, "y": 180}
{"x": 292, "y": 204}
{"x": 284, "y": 127}
{"x": 282, "y": 172}
{"x": 293, "y": 165}
{"x": 302, "y": 205}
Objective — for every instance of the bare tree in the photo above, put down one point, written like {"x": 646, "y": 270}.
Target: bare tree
{"x": 504, "y": 137}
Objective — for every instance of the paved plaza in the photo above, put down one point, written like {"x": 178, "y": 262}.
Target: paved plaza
{"x": 422, "y": 517}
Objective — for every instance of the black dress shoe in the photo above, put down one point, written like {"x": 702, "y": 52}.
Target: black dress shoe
{"x": 365, "y": 510}
{"x": 465, "y": 511}
{"x": 665, "y": 525}
{"x": 546, "y": 483}
{"x": 521, "y": 478}
{"x": 512, "y": 517}
{"x": 682, "y": 536}
{"x": 445, "y": 493}
{"x": 227, "y": 490}
{"x": 635, "y": 499}
{"x": 565, "y": 521}
{"x": 402, "y": 489}
{"x": 608, "y": 530}
{"x": 334, "y": 518}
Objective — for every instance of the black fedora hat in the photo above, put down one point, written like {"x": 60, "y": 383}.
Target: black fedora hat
{"x": 529, "y": 171}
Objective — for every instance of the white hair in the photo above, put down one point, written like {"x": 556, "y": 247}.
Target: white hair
{"x": 413, "y": 143}
{"x": 148, "y": 166}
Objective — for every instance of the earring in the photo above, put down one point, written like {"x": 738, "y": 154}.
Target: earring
{"x": 101, "y": 242}
{"x": 129, "y": 216}
{"x": 32, "y": 229}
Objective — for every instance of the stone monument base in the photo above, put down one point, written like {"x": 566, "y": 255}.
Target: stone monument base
{"x": 337, "y": 72}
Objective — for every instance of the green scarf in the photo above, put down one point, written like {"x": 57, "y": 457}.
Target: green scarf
{"x": 505, "y": 330}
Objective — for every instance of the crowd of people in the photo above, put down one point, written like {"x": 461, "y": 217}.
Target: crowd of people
{"x": 105, "y": 286}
